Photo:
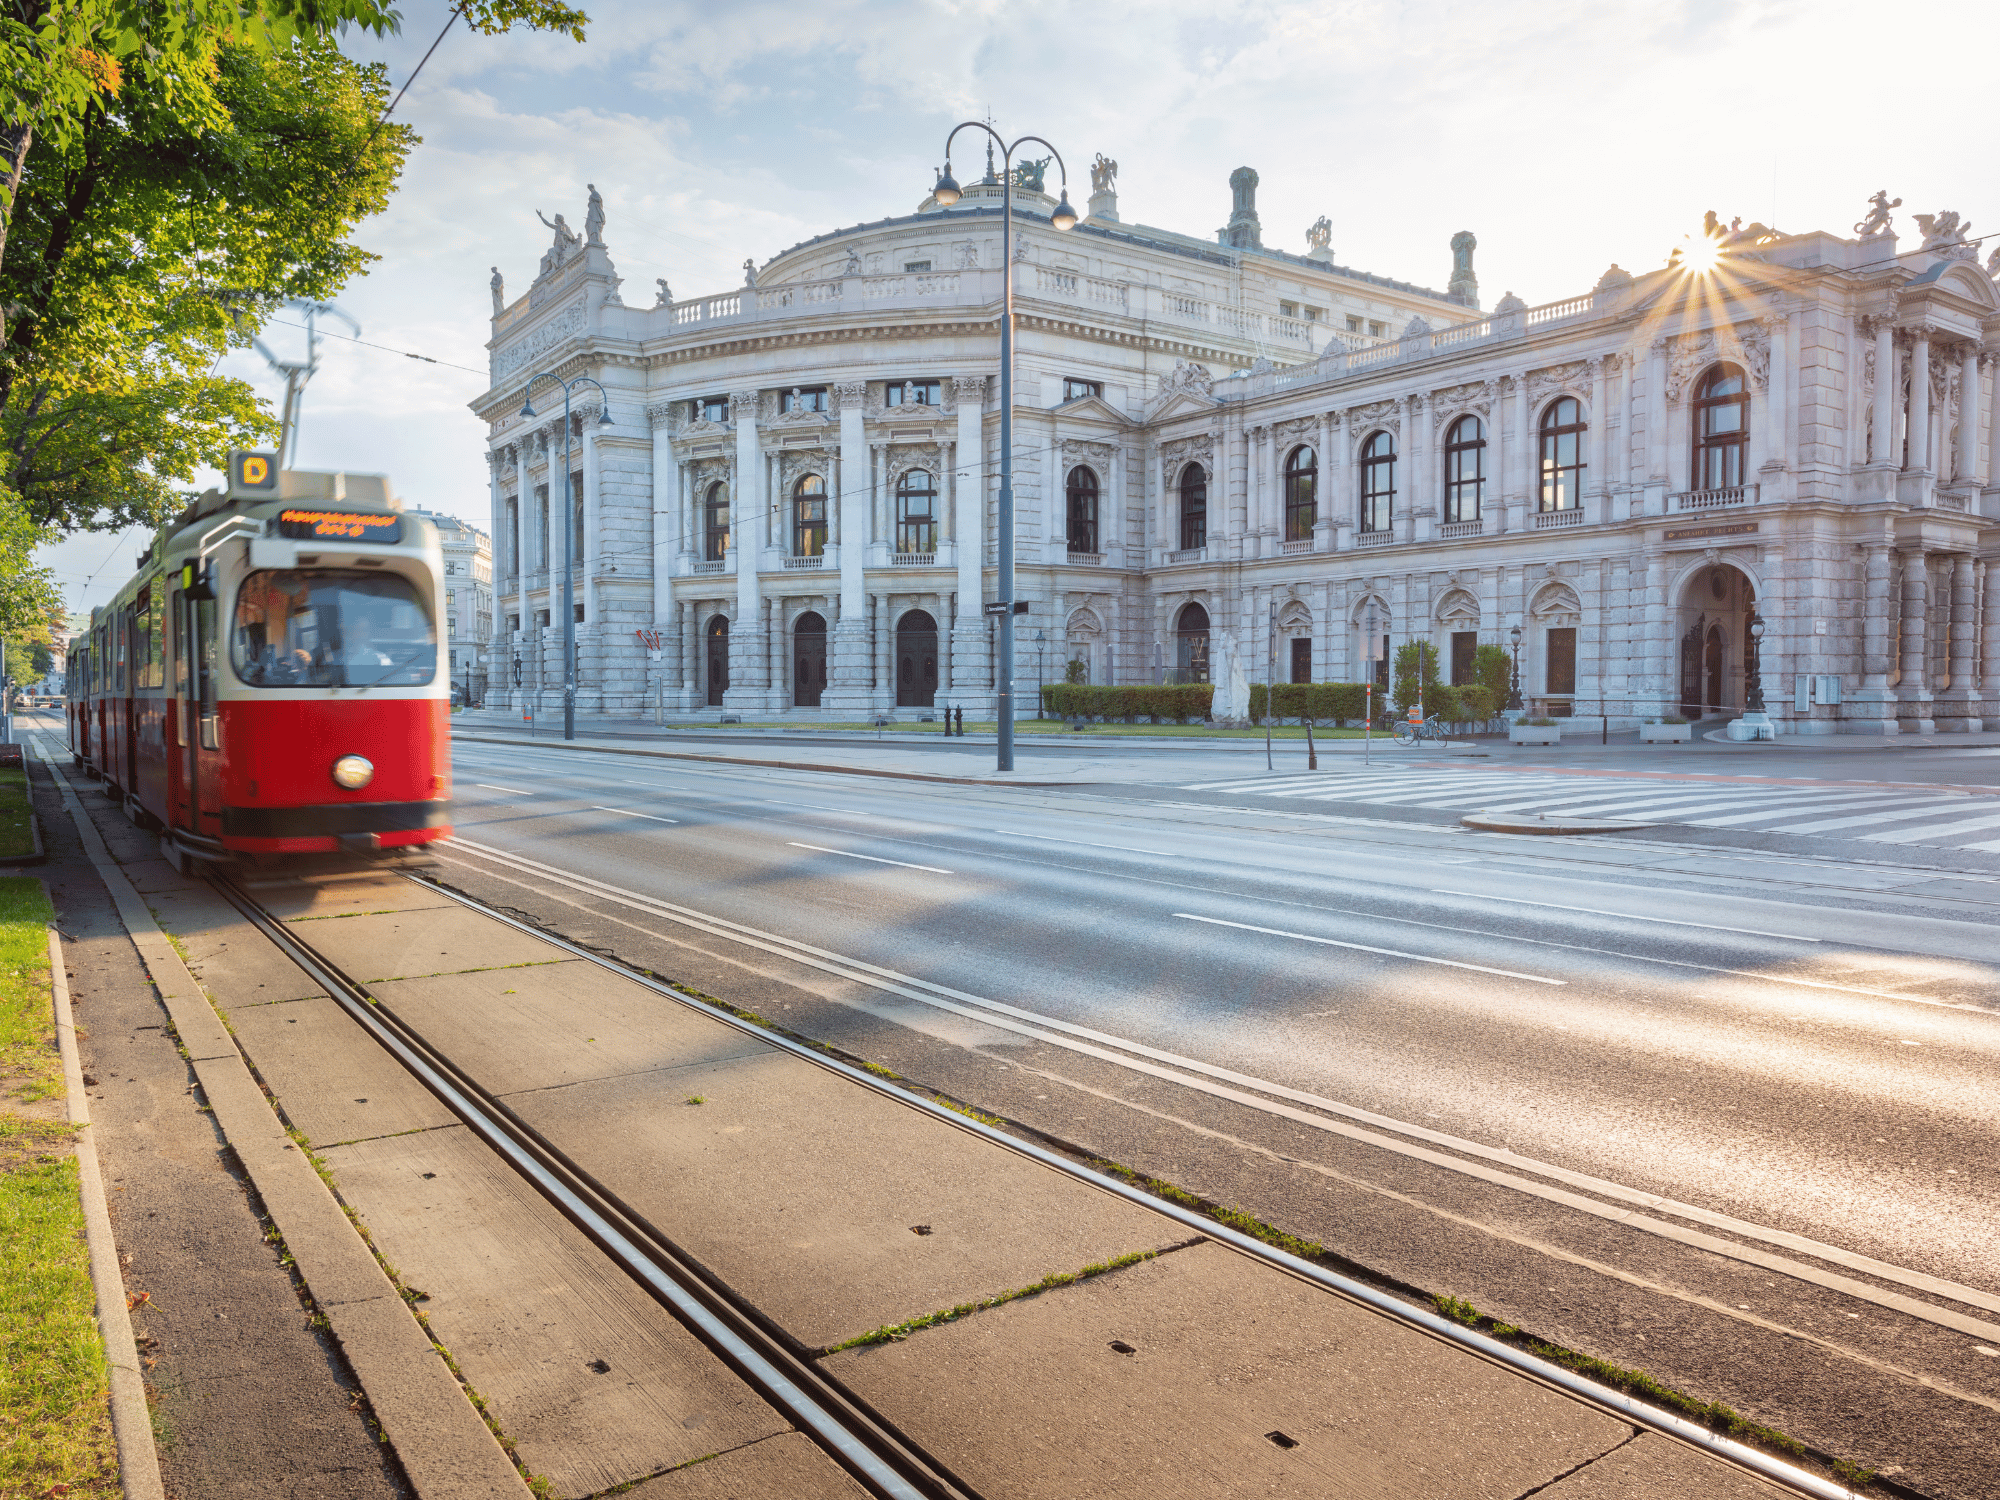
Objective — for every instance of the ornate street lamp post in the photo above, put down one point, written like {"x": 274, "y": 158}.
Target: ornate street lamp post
{"x": 1754, "y": 667}
{"x": 569, "y": 536}
{"x": 947, "y": 192}
{"x": 1514, "y": 686}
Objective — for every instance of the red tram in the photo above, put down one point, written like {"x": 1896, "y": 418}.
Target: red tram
{"x": 268, "y": 681}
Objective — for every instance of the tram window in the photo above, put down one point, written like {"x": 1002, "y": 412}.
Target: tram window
{"x": 327, "y": 628}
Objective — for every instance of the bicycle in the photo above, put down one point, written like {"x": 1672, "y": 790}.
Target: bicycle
{"x": 1406, "y": 733}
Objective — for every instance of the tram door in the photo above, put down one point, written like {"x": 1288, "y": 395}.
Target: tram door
{"x": 196, "y": 745}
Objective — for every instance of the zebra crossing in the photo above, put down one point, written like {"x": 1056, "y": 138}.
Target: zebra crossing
{"x": 1941, "y": 818}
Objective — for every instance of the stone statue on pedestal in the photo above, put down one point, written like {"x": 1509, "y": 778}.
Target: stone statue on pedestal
{"x": 1103, "y": 174}
{"x": 566, "y": 244}
{"x": 1320, "y": 235}
{"x": 666, "y": 298}
{"x": 1877, "y": 219}
{"x": 749, "y": 272}
{"x": 593, "y": 217}
{"x": 499, "y": 286}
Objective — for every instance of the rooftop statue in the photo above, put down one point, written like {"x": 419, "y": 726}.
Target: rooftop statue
{"x": 749, "y": 272}
{"x": 666, "y": 292}
{"x": 499, "y": 285}
{"x": 1103, "y": 174}
{"x": 1028, "y": 174}
{"x": 1877, "y": 219}
{"x": 593, "y": 217}
{"x": 1946, "y": 235}
{"x": 566, "y": 244}
{"x": 1320, "y": 236}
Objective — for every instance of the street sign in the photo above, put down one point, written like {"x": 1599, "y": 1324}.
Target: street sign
{"x": 1001, "y": 607}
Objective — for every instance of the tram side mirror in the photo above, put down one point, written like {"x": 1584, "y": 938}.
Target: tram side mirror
{"x": 198, "y": 583}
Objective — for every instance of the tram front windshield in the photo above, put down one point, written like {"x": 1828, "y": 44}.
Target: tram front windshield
{"x": 302, "y": 627}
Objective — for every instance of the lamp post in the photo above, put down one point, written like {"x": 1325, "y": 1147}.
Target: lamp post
{"x": 1514, "y": 686}
{"x": 1041, "y": 669}
{"x": 569, "y": 536}
{"x": 946, "y": 192}
{"x": 1754, "y": 667}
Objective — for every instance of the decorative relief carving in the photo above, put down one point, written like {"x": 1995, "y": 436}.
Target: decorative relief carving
{"x": 850, "y": 393}
{"x": 1082, "y": 449}
{"x": 1691, "y": 353}
{"x": 1200, "y": 450}
{"x": 794, "y": 466}
{"x": 965, "y": 255}
{"x": 970, "y": 388}
{"x": 743, "y": 404}
{"x": 1189, "y": 377}
{"x": 1450, "y": 404}
{"x": 700, "y": 427}
{"x": 563, "y": 327}
{"x": 1569, "y": 378}
{"x": 666, "y": 413}
{"x": 899, "y": 458}
{"x": 1297, "y": 430}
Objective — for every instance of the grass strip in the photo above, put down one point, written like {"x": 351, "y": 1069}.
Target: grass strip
{"x": 17, "y": 836}
{"x": 892, "y": 1332}
{"x": 55, "y": 1417}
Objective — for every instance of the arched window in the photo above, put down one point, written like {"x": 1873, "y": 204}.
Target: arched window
{"x": 1191, "y": 644}
{"x": 808, "y": 659}
{"x": 718, "y": 658}
{"x": 715, "y": 523}
{"x": 809, "y": 517}
{"x": 1082, "y": 495}
{"x": 1194, "y": 507}
{"x": 916, "y": 512}
{"x": 1464, "y": 470}
{"x": 1562, "y": 455}
{"x": 1378, "y": 482}
{"x": 1301, "y": 494}
{"x": 1721, "y": 430}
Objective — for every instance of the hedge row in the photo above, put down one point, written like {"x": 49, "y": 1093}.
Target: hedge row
{"x": 1175, "y": 702}
{"x": 1338, "y": 702}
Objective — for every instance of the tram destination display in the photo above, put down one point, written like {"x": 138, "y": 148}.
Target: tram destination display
{"x": 339, "y": 525}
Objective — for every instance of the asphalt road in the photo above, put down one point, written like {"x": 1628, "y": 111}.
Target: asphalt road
{"x": 1728, "y": 1116}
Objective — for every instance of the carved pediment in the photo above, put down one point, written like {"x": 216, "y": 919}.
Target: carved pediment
{"x": 559, "y": 329}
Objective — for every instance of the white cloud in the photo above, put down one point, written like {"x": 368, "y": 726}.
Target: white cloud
{"x": 1565, "y": 133}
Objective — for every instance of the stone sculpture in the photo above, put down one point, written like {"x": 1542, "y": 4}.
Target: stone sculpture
{"x": 1320, "y": 236}
{"x": 1103, "y": 174}
{"x": 1945, "y": 234}
{"x": 566, "y": 243}
{"x": 749, "y": 272}
{"x": 1877, "y": 219}
{"x": 593, "y": 217}
{"x": 1028, "y": 174}
{"x": 499, "y": 286}
{"x": 1189, "y": 377}
{"x": 666, "y": 298}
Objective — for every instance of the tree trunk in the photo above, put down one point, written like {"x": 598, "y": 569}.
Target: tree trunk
{"x": 14, "y": 143}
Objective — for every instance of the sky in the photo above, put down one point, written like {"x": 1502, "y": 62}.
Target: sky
{"x": 1566, "y": 134}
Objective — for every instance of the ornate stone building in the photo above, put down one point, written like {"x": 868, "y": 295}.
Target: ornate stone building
{"x": 1219, "y": 445}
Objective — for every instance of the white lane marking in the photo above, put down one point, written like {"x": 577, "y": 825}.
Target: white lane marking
{"x": 1048, "y": 838}
{"x": 848, "y": 854}
{"x": 1935, "y": 809}
{"x": 1306, "y": 937}
{"x": 1059, "y": 1033}
{"x": 626, "y": 812}
{"x": 1950, "y": 830}
{"x": 1627, "y": 916}
{"x": 511, "y": 791}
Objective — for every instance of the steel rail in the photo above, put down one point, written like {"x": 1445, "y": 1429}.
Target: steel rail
{"x": 868, "y": 1447}
{"x": 1602, "y": 1396}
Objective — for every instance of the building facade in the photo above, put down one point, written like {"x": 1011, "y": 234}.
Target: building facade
{"x": 1222, "y": 449}
{"x": 468, "y": 596}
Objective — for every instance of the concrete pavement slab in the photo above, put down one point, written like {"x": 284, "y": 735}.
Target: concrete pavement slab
{"x": 788, "y": 1465}
{"x": 556, "y": 1024}
{"x": 826, "y": 1184}
{"x": 410, "y": 944}
{"x": 597, "y": 1384}
{"x": 1653, "y": 1467}
{"x": 342, "y": 896}
{"x": 1201, "y": 1373}
{"x": 336, "y": 1083}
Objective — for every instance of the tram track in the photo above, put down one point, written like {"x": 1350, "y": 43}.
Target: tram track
{"x": 862, "y": 1440}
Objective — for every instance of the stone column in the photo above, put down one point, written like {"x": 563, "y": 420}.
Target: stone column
{"x": 1960, "y": 710}
{"x": 688, "y": 612}
{"x": 1325, "y": 531}
{"x": 1989, "y": 635}
{"x": 1914, "y": 693}
{"x": 592, "y": 653}
{"x": 1656, "y": 428}
{"x": 1415, "y": 486}
{"x": 1599, "y": 455}
{"x": 885, "y": 652}
{"x": 1276, "y": 448}
{"x": 1993, "y": 423}
{"x": 1967, "y": 468}
{"x": 774, "y": 635}
{"x": 1777, "y": 406}
{"x": 666, "y": 518}
{"x": 1888, "y": 395}
{"x": 1875, "y": 619}
{"x": 847, "y": 647}
{"x": 677, "y": 653}
{"x": 1521, "y": 501}
{"x": 748, "y": 678}
{"x": 1920, "y": 399}
{"x": 974, "y": 683}
{"x": 947, "y": 622}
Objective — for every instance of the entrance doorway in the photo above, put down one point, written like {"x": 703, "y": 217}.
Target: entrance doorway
{"x": 1190, "y": 644}
{"x": 1715, "y": 608}
{"x": 916, "y": 660}
{"x": 808, "y": 660}
{"x": 718, "y": 659}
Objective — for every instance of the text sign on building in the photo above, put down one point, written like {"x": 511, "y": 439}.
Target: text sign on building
{"x": 1690, "y": 533}
{"x": 339, "y": 525}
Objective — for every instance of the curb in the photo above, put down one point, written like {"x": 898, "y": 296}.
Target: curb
{"x": 732, "y": 760}
{"x": 446, "y": 1451}
{"x": 131, "y": 1418}
{"x": 1487, "y": 824}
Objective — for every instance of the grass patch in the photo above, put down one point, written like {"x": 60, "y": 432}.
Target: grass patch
{"x": 55, "y": 1420}
{"x": 894, "y": 1331}
{"x": 1235, "y": 1218}
{"x": 16, "y": 824}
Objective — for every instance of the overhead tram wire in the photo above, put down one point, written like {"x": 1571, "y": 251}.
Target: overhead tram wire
{"x": 386, "y": 349}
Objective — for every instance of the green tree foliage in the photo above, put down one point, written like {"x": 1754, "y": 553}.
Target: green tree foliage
{"x": 1416, "y": 675}
{"x": 28, "y": 592}
{"x": 1493, "y": 668}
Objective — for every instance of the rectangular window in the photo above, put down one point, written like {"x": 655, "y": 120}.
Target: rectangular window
{"x": 576, "y": 518}
{"x": 579, "y": 613}
{"x": 1288, "y": 309}
{"x": 513, "y": 622}
{"x": 1377, "y": 330}
{"x": 1463, "y": 644}
{"x": 510, "y": 544}
{"x": 916, "y": 265}
{"x": 1315, "y": 315}
{"x": 1562, "y": 659}
{"x": 542, "y": 618}
{"x": 712, "y": 409}
{"x": 1076, "y": 390}
{"x": 804, "y": 398}
{"x": 331, "y": 628}
{"x": 1353, "y": 324}
{"x": 1302, "y": 659}
{"x": 912, "y": 393}
{"x": 541, "y": 526}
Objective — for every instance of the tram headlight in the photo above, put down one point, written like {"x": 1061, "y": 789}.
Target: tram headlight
{"x": 353, "y": 772}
